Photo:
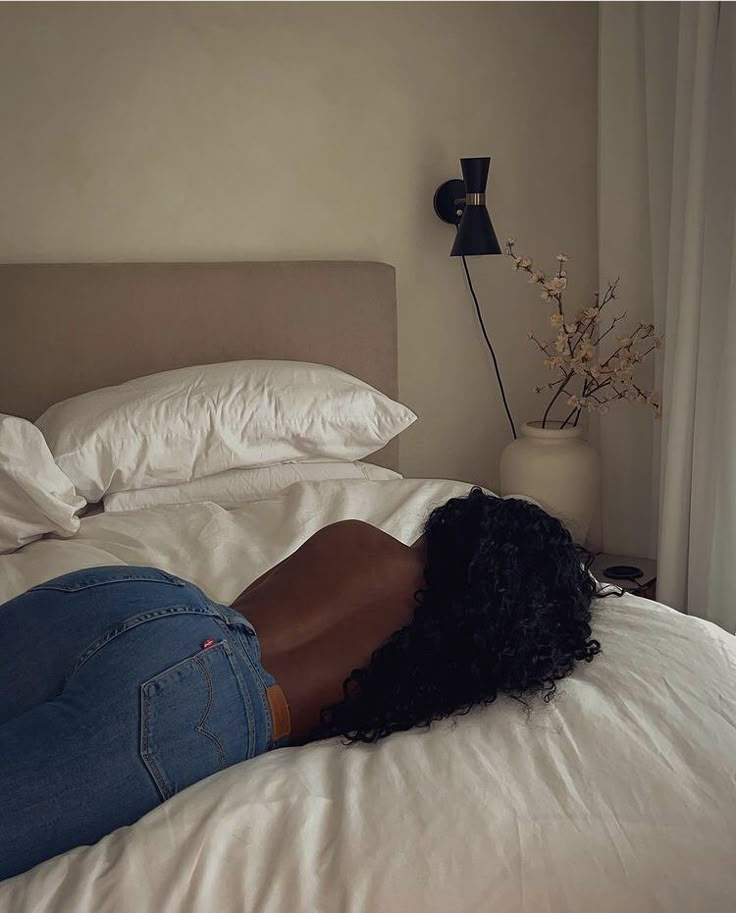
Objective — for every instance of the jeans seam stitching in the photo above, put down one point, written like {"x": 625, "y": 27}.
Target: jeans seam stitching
{"x": 148, "y": 758}
{"x": 103, "y": 581}
{"x": 200, "y": 727}
{"x": 128, "y": 625}
{"x": 264, "y": 702}
{"x": 238, "y": 649}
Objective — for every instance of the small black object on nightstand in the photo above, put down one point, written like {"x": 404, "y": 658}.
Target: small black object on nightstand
{"x": 623, "y": 572}
{"x": 634, "y": 575}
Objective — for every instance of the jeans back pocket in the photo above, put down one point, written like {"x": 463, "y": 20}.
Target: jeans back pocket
{"x": 196, "y": 719}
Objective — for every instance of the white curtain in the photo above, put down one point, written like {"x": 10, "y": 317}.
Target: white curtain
{"x": 674, "y": 139}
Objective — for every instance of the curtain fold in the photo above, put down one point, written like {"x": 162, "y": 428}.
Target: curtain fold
{"x": 685, "y": 139}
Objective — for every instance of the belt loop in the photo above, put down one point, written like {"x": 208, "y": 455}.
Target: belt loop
{"x": 232, "y": 618}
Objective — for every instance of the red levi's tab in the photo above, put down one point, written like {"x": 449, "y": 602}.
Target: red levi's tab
{"x": 210, "y": 642}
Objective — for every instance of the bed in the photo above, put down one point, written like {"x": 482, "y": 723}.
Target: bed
{"x": 618, "y": 795}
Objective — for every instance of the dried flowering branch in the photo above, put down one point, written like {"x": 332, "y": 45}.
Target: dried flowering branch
{"x": 575, "y": 350}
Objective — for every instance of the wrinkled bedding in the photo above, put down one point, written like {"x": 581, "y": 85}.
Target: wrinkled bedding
{"x": 619, "y": 795}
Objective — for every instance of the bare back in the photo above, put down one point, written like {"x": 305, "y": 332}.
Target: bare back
{"x": 323, "y": 611}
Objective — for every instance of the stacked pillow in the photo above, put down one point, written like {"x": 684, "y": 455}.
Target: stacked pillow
{"x": 234, "y": 486}
{"x": 224, "y": 432}
{"x": 35, "y": 496}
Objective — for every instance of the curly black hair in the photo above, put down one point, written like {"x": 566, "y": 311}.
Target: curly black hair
{"x": 506, "y": 608}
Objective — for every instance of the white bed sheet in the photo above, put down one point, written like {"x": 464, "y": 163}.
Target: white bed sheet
{"x": 618, "y": 796}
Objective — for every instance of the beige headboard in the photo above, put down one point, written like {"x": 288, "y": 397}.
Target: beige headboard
{"x": 66, "y": 329}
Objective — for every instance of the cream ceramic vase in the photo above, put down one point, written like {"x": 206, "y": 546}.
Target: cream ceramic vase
{"x": 558, "y": 468}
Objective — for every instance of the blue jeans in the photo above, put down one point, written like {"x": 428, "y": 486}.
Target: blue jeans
{"x": 119, "y": 687}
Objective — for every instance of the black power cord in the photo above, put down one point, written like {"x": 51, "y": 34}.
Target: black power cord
{"x": 490, "y": 347}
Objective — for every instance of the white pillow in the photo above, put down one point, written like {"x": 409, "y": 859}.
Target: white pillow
{"x": 235, "y": 486}
{"x": 35, "y": 495}
{"x": 193, "y": 422}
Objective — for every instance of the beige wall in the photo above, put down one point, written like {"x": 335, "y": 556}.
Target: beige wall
{"x": 629, "y": 436}
{"x": 316, "y": 130}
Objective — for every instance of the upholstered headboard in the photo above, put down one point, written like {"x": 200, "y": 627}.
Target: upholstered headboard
{"x": 66, "y": 329}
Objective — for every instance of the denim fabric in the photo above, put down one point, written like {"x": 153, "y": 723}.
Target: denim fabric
{"x": 119, "y": 687}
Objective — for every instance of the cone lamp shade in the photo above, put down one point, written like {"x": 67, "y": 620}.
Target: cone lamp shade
{"x": 475, "y": 234}
{"x": 463, "y": 203}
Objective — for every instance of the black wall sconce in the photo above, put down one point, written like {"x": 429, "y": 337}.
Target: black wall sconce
{"x": 463, "y": 204}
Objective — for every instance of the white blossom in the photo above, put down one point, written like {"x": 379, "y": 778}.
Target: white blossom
{"x": 556, "y": 284}
{"x": 586, "y": 346}
{"x": 587, "y": 382}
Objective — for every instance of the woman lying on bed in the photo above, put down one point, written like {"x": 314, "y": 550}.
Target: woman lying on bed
{"x": 120, "y": 686}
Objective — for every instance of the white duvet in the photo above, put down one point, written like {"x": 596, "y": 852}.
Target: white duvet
{"x": 618, "y": 797}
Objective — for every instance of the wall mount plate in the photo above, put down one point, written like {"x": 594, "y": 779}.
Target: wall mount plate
{"x": 445, "y": 205}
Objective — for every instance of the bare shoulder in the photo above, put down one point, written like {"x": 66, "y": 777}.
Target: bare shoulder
{"x": 354, "y": 550}
{"x": 360, "y": 531}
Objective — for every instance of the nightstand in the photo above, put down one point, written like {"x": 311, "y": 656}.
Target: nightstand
{"x": 645, "y": 586}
